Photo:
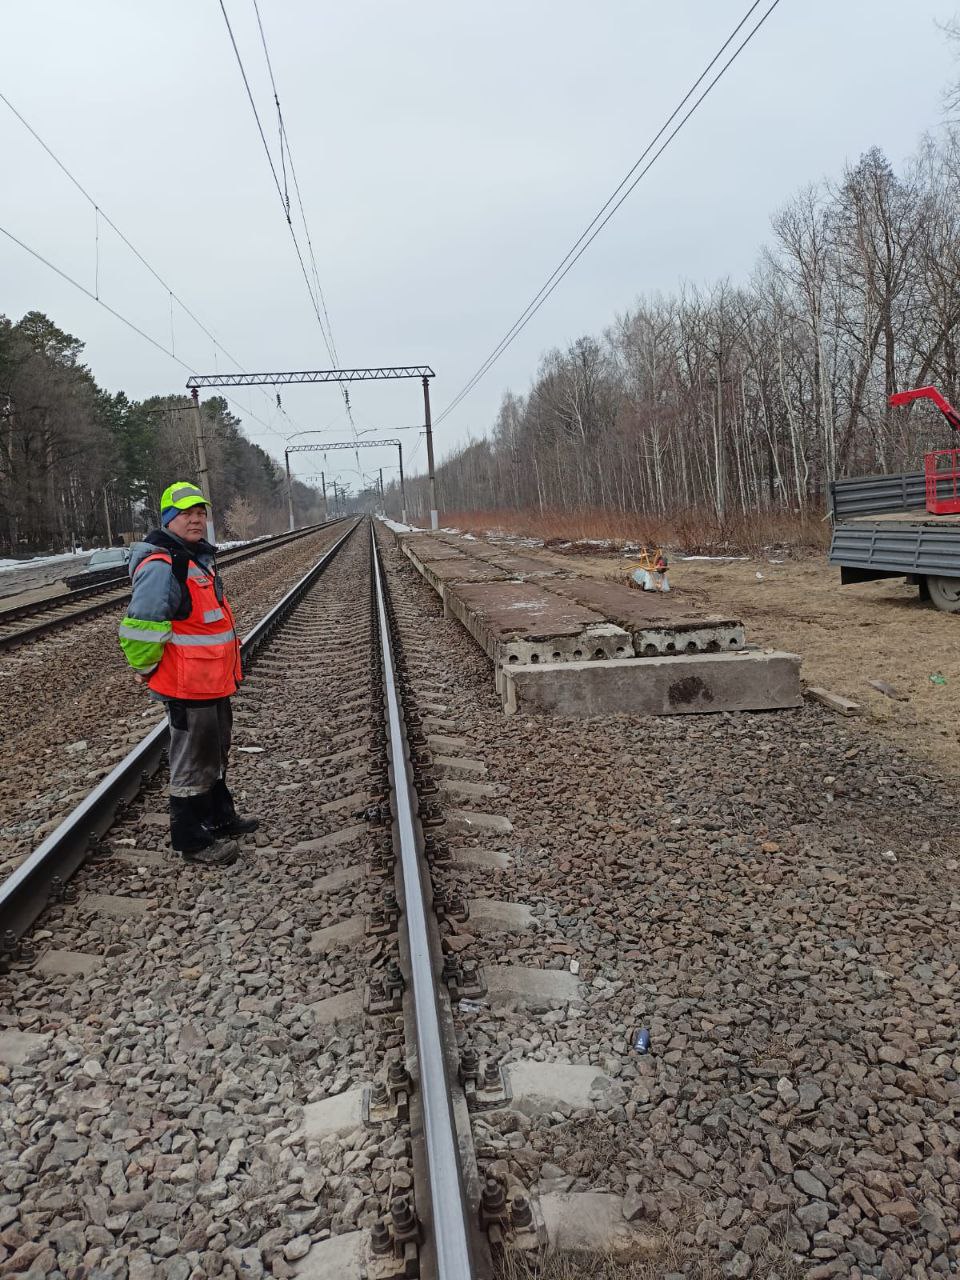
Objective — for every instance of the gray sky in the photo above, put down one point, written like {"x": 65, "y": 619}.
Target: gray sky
{"x": 448, "y": 155}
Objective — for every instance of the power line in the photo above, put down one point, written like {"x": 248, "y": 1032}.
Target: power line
{"x": 285, "y": 147}
{"x": 99, "y": 217}
{"x": 273, "y": 170}
{"x": 317, "y": 299}
{"x": 154, "y": 342}
{"x": 285, "y": 144}
{"x": 615, "y": 200}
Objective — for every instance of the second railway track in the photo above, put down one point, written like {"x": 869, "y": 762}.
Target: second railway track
{"x": 21, "y": 624}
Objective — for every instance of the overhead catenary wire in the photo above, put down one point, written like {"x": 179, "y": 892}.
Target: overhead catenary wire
{"x": 616, "y": 199}
{"x": 276, "y": 180}
{"x": 118, "y": 315}
{"x": 101, "y": 216}
{"x": 315, "y": 291}
{"x": 286, "y": 149}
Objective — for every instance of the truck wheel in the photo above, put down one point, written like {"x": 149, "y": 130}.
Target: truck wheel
{"x": 944, "y": 593}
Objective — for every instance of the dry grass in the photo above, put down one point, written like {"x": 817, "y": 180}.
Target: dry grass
{"x": 694, "y": 532}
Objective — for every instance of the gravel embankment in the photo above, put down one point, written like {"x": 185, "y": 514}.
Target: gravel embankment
{"x": 155, "y": 1132}
{"x": 776, "y": 897}
{"x": 70, "y": 708}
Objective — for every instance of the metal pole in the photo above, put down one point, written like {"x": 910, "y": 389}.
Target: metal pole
{"x": 434, "y": 515}
{"x": 106, "y": 512}
{"x": 382, "y": 512}
{"x": 202, "y": 463}
{"x": 403, "y": 496}
{"x": 323, "y": 484}
{"x": 286, "y": 458}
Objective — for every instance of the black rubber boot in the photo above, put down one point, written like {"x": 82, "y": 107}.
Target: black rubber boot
{"x": 222, "y": 817}
{"x": 194, "y": 841}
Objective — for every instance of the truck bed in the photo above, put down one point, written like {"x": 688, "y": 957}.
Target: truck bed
{"x": 882, "y": 530}
{"x": 914, "y": 516}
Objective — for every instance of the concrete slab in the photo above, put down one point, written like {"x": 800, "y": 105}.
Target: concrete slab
{"x": 341, "y": 934}
{"x": 651, "y": 641}
{"x": 446, "y": 742}
{"x": 484, "y": 859}
{"x": 437, "y": 724}
{"x": 67, "y": 964}
{"x": 443, "y": 765}
{"x": 488, "y": 915}
{"x": 109, "y": 904}
{"x": 460, "y": 822}
{"x": 519, "y": 566}
{"x": 744, "y": 681}
{"x": 143, "y": 857}
{"x": 466, "y": 789}
{"x": 340, "y": 878}
{"x": 334, "y": 840}
{"x": 356, "y": 800}
{"x": 657, "y": 622}
{"x": 521, "y": 622}
{"x": 336, "y": 1258}
{"x": 341, "y": 757}
{"x": 331, "y": 1117}
{"x": 592, "y": 1222}
{"x": 17, "y": 1046}
{"x": 347, "y": 1007}
{"x": 540, "y": 1087}
{"x": 508, "y": 983}
{"x": 427, "y": 548}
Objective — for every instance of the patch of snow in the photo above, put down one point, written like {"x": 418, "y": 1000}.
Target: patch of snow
{"x": 397, "y": 527}
{"x": 714, "y": 557}
{"x": 35, "y": 561}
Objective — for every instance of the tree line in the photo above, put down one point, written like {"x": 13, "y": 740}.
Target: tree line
{"x": 83, "y": 466}
{"x": 744, "y": 398}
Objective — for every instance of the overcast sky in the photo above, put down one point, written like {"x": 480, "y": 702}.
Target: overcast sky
{"x": 448, "y": 155}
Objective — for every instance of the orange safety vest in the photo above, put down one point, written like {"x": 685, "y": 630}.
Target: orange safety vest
{"x": 202, "y": 657}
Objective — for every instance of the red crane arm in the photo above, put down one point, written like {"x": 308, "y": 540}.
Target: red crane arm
{"x": 929, "y": 393}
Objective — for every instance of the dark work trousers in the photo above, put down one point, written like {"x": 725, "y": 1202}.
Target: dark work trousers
{"x": 200, "y": 735}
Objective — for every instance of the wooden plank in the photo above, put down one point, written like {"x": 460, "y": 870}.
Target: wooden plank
{"x": 832, "y": 701}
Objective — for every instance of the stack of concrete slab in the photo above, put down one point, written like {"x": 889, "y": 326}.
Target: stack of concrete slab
{"x": 566, "y": 644}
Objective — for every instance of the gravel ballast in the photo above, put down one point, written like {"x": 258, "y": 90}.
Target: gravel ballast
{"x": 775, "y": 898}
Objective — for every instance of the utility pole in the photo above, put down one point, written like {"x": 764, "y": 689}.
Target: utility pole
{"x": 403, "y": 496}
{"x": 106, "y": 512}
{"x": 382, "y": 512}
{"x": 323, "y": 485}
{"x": 286, "y": 458}
{"x": 434, "y": 515}
{"x": 204, "y": 476}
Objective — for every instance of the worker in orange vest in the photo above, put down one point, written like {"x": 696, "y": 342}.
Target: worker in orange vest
{"x": 179, "y": 638}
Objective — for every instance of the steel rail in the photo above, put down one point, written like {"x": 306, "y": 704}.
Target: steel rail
{"x": 42, "y": 876}
{"x": 120, "y": 587}
{"x": 451, "y": 1234}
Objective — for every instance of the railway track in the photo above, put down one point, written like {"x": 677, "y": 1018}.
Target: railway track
{"x": 22, "y": 623}
{"x": 230, "y": 1073}
{"x": 101, "y": 886}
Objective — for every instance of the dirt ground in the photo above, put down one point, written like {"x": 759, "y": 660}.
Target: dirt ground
{"x": 846, "y": 636}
